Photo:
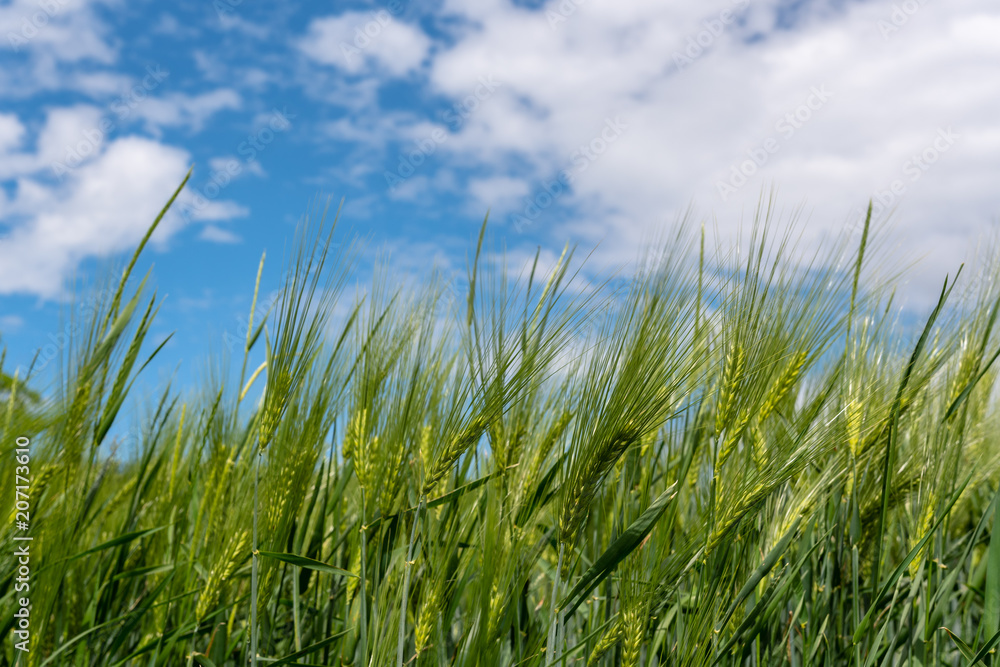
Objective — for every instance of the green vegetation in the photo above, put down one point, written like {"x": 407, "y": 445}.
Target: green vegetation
{"x": 725, "y": 458}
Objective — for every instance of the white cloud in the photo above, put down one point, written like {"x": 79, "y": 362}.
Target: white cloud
{"x": 9, "y": 323}
{"x": 211, "y": 67}
{"x": 236, "y": 167}
{"x": 377, "y": 130}
{"x": 68, "y": 132}
{"x": 102, "y": 204}
{"x": 191, "y": 111}
{"x": 257, "y": 78}
{"x": 217, "y": 234}
{"x": 97, "y": 85}
{"x": 689, "y": 125}
{"x": 65, "y": 30}
{"x": 415, "y": 189}
{"x": 230, "y": 21}
{"x": 11, "y": 132}
{"x": 168, "y": 24}
{"x": 105, "y": 208}
{"x": 501, "y": 192}
{"x": 354, "y": 41}
{"x": 213, "y": 211}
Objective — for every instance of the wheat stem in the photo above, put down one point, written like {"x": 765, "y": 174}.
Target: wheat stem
{"x": 550, "y": 652}
{"x": 254, "y": 631}
{"x": 364, "y": 600}
{"x": 406, "y": 586}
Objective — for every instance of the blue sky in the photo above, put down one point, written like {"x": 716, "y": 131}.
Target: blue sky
{"x": 591, "y": 121}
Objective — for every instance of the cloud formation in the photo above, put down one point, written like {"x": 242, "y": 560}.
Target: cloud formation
{"x": 81, "y": 182}
{"x": 357, "y": 42}
{"x": 103, "y": 208}
{"x": 568, "y": 119}
{"x": 831, "y": 102}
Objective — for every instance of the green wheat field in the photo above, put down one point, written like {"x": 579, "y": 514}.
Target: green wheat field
{"x": 716, "y": 456}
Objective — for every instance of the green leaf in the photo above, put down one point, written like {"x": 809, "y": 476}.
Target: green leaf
{"x": 991, "y": 606}
{"x": 894, "y": 422}
{"x": 962, "y": 397}
{"x": 473, "y": 272}
{"x": 133, "y": 621}
{"x": 776, "y": 591}
{"x": 142, "y": 244}
{"x": 103, "y": 350}
{"x": 288, "y": 660}
{"x": 440, "y": 500}
{"x": 751, "y": 618}
{"x": 539, "y": 498}
{"x": 117, "y": 541}
{"x": 65, "y": 646}
{"x": 873, "y": 654}
{"x": 941, "y": 597}
{"x": 984, "y": 651}
{"x": 760, "y": 572}
{"x": 122, "y": 383}
{"x": 898, "y": 572}
{"x": 309, "y": 563}
{"x": 966, "y": 650}
{"x": 622, "y": 547}
{"x": 121, "y": 539}
{"x": 143, "y": 572}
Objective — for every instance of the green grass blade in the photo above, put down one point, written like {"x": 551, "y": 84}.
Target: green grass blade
{"x": 901, "y": 568}
{"x": 964, "y": 395}
{"x": 309, "y": 563}
{"x": 142, "y": 244}
{"x": 754, "y": 616}
{"x": 143, "y": 572}
{"x": 991, "y": 605}
{"x": 103, "y": 350}
{"x": 439, "y": 501}
{"x": 755, "y": 578}
{"x": 618, "y": 551}
{"x": 985, "y": 650}
{"x": 289, "y": 659}
{"x": 894, "y": 421}
{"x": 114, "y": 542}
{"x": 964, "y": 648}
